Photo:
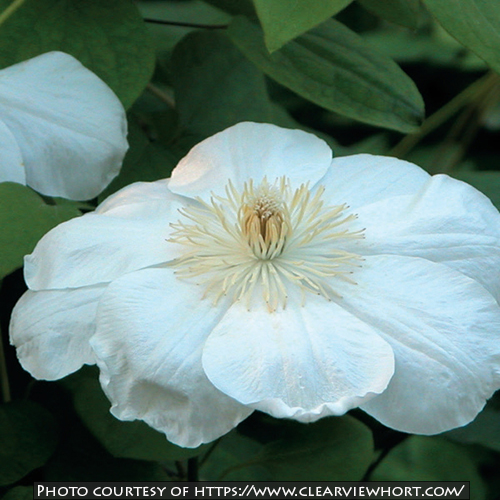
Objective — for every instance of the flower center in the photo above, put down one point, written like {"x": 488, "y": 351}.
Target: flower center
{"x": 263, "y": 220}
{"x": 264, "y": 240}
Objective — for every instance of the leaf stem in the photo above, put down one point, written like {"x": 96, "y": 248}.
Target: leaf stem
{"x": 10, "y": 10}
{"x": 187, "y": 25}
{"x": 209, "y": 452}
{"x": 160, "y": 94}
{"x": 400, "y": 437}
{"x": 478, "y": 88}
{"x": 4, "y": 378}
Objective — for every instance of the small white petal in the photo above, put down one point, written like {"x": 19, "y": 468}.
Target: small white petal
{"x": 301, "y": 362}
{"x": 68, "y": 124}
{"x": 11, "y": 159}
{"x": 443, "y": 327}
{"x": 362, "y": 179}
{"x": 445, "y": 221}
{"x": 51, "y": 330}
{"x": 151, "y": 328}
{"x": 250, "y": 150}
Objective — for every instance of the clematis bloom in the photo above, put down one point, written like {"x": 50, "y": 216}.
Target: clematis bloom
{"x": 63, "y": 130}
{"x": 263, "y": 275}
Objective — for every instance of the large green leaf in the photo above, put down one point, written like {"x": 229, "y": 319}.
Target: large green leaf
{"x": 167, "y": 36}
{"x": 24, "y": 219}
{"x": 474, "y": 23}
{"x": 333, "y": 449}
{"x": 403, "y": 12}
{"x": 134, "y": 440}
{"x": 28, "y": 437}
{"x": 336, "y": 69}
{"x": 234, "y": 7}
{"x": 215, "y": 85}
{"x": 430, "y": 459}
{"x": 284, "y": 20}
{"x": 108, "y": 37}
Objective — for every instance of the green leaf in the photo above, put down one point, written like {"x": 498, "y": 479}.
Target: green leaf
{"x": 24, "y": 219}
{"x": 230, "y": 460}
{"x": 109, "y": 38}
{"x": 402, "y": 12}
{"x": 215, "y": 85}
{"x": 144, "y": 161}
{"x": 430, "y": 459}
{"x": 333, "y": 449}
{"x": 166, "y": 37}
{"x": 28, "y": 435}
{"x": 134, "y": 440}
{"x": 336, "y": 69}
{"x": 19, "y": 493}
{"x": 474, "y": 23}
{"x": 234, "y": 7}
{"x": 284, "y": 20}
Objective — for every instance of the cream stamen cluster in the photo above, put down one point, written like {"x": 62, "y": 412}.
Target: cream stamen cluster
{"x": 265, "y": 238}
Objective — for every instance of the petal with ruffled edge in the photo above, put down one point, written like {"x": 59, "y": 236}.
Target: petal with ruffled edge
{"x": 151, "y": 328}
{"x": 362, "y": 179}
{"x": 301, "y": 362}
{"x": 445, "y": 221}
{"x": 444, "y": 330}
{"x": 51, "y": 330}
{"x": 125, "y": 234}
{"x": 11, "y": 159}
{"x": 250, "y": 150}
{"x": 69, "y": 125}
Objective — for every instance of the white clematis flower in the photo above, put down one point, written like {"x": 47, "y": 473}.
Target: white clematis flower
{"x": 62, "y": 129}
{"x": 265, "y": 275}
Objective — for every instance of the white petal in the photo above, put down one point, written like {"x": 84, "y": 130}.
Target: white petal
{"x": 444, "y": 330}
{"x": 95, "y": 249}
{"x": 126, "y": 233}
{"x": 150, "y": 333}
{"x": 51, "y": 330}
{"x": 301, "y": 362}
{"x": 134, "y": 198}
{"x": 362, "y": 179}
{"x": 250, "y": 150}
{"x": 446, "y": 221}
{"x": 11, "y": 160}
{"x": 69, "y": 125}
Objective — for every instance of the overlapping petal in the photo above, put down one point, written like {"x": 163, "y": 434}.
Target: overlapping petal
{"x": 151, "y": 329}
{"x": 68, "y": 124}
{"x": 123, "y": 235}
{"x": 363, "y": 179}
{"x": 443, "y": 328}
{"x": 445, "y": 221}
{"x": 52, "y": 329}
{"x": 300, "y": 362}
{"x": 250, "y": 150}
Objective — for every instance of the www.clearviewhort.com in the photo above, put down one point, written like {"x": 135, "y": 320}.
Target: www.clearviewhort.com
{"x": 332, "y": 492}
